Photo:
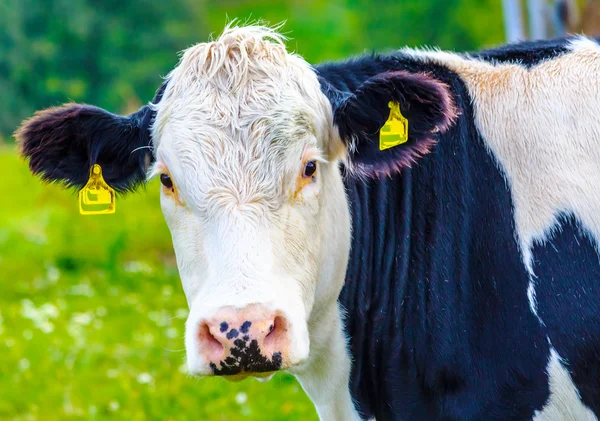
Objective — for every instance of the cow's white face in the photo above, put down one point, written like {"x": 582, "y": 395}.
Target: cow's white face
{"x": 254, "y": 200}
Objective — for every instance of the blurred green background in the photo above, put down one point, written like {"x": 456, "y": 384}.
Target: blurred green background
{"x": 91, "y": 309}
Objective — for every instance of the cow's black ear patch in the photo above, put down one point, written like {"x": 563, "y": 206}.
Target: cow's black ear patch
{"x": 63, "y": 143}
{"x": 426, "y": 102}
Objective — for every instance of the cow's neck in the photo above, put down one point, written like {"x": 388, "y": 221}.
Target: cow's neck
{"x": 417, "y": 303}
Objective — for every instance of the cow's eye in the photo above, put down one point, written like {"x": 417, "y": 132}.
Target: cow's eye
{"x": 166, "y": 181}
{"x": 310, "y": 168}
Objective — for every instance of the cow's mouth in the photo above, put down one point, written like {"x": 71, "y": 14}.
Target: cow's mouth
{"x": 261, "y": 377}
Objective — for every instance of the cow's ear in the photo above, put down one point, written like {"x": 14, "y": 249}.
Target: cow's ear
{"x": 63, "y": 143}
{"x": 427, "y": 103}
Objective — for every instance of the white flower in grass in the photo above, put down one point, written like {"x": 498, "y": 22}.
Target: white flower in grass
{"x": 171, "y": 333}
{"x": 241, "y": 398}
{"x": 52, "y": 274}
{"x": 24, "y": 364}
{"x": 138, "y": 267}
{"x": 82, "y": 319}
{"x": 161, "y": 318}
{"x": 83, "y": 290}
{"x": 167, "y": 290}
{"x": 113, "y": 406}
{"x": 184, "y": 369}
{"x": 146, "y": 338}
{"x": 40, "y": 316}
{"x": 46, "y": 327}
{"x": 49, "y": 310}
{"x": 144, "y": 378}
{"x": 35, "y": 237}
{"x": 75, "y": 330}
{"x": 181, "y": 313}
{"x": 28, "y": 310}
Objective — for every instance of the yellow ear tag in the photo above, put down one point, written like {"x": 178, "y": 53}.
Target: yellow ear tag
{"x": 96, "y": 197}
{"x": 395, "y": 130}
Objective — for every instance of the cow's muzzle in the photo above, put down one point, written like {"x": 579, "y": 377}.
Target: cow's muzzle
{"x": 240, "y": 342}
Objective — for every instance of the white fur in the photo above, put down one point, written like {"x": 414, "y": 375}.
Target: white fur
{"x": 238, "y": 117}
{"x": 543, "y": 127}
{"x": 564, "y": 403}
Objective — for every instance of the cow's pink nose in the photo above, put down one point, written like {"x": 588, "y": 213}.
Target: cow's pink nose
{"x": 251, "y": 340}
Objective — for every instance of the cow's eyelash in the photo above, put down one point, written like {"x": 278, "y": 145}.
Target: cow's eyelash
{"x": 317, "y": 158}
{"x": 155, "y": 170}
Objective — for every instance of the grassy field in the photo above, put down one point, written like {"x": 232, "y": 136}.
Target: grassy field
{"x": 92, "y": 316}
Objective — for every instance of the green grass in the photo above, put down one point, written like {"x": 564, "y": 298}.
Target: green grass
{"x": 92, "y": 316}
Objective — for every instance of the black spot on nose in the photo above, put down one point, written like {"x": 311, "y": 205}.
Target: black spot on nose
{"x": 245, "y": 327}
{"x": 247, "y": 357}
{"x": 277, "y": 360}
{"x": 233, "y": 333}
{"x": 224, "y": 326}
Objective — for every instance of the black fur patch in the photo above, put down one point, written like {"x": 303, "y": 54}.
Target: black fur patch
{"x": 527, "y": 53}
{"x": 246, "y": 356}
{"x": 62, "y": 144}
{"x": 426, "y": 102}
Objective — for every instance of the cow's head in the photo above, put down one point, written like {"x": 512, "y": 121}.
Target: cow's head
{"x": 247, "y": 143}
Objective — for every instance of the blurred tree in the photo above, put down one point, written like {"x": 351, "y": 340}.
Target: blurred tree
{"x": 579, "y": 16}
{"x": 112, "y": 53}
{"x": 109, "y": 52}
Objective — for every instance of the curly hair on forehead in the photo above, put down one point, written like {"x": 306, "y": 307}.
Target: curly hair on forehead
{"x": 238, "y": 55}
{"x": 240, "y": 77}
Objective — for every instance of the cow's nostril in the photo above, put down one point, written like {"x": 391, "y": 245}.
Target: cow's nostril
{"x": 277, "y": 332}
{"x": 209, "y": 344}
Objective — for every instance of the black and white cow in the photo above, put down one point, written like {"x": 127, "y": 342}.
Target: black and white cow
{"x": 453, "y": 277}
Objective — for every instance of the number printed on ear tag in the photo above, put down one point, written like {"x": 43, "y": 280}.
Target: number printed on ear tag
{"x": 96, "y": 197}
{"x": 395, "y": 130}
